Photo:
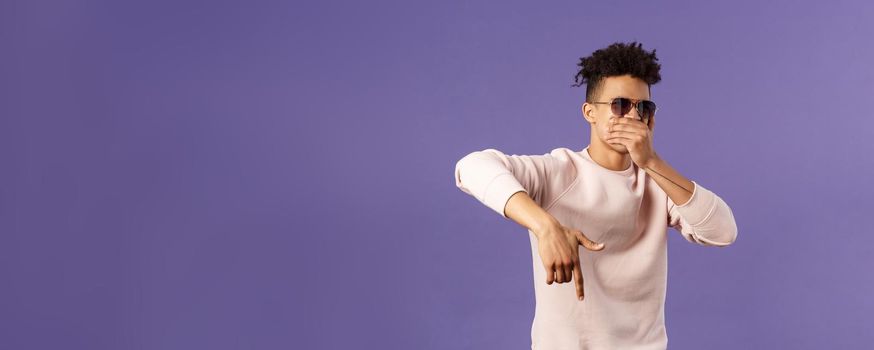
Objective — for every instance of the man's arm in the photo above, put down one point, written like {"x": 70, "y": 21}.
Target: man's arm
{"x": 524, "y": 211}
{"x": 518, "y": 187}
{"x": 703, "y": 218}
{"x": 492, "y": 177}
{"x": 676, "y": 186}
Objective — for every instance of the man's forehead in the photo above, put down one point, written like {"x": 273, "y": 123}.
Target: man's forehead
{"x": 625, "y": 86}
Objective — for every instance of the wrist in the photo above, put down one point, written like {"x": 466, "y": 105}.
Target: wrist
{"x": 653, "y": 161}
{"x": 543, "y": 223}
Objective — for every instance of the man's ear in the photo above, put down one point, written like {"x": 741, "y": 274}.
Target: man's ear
{"x": 587, "y": 112}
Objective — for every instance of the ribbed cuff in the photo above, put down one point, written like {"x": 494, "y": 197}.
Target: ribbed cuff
{"x": 699, "y": 207}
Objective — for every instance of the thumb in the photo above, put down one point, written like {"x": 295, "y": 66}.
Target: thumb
{"x": 588, "y": 243}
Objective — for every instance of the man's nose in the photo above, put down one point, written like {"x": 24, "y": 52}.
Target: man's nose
{"x": 632, "y": 113}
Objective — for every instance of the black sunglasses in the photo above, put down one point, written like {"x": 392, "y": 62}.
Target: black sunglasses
{"x": 620, "y": 106}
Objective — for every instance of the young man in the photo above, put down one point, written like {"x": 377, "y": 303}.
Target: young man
{"x": 616, "y": 198}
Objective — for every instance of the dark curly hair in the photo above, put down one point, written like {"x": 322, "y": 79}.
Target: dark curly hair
{"x": 615, "y": 60}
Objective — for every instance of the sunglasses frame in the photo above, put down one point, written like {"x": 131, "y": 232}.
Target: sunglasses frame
{"x": 636, "y": 104}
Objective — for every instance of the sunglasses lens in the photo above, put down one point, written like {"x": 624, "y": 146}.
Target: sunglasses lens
{"x": 620, "y": 106}
{"x": 646, "y": 109}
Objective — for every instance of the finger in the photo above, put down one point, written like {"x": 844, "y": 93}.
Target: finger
{"x": 627, "y": 127}
{"x": 559, "y": 274}
{"x": 625, "y": 134}
{"x": 620, "y": 141}
{"x": 589, "y": 244}
{"x": 578, "y": 279}
{"x": 569, "y": 268}
{"x": 629, "y": 121}
{"x": 550, "y": 274}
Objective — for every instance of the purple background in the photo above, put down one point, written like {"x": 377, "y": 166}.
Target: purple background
{"x": 266, "y": 175}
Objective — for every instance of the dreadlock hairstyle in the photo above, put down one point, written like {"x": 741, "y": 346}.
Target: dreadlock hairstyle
{"x": 616, "y": 60}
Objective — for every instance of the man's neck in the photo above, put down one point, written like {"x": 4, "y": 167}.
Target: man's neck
{"x": 608, "y": 158}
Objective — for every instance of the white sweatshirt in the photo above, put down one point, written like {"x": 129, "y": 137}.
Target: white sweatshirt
{"x": 624, "y": 283}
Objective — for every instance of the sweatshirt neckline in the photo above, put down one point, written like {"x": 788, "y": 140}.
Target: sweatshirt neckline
{"x": 626, "y": 171}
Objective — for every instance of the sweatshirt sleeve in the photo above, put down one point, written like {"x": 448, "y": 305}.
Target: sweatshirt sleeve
{"x": 492, "y": 177}
{"x": 705, "y": 219}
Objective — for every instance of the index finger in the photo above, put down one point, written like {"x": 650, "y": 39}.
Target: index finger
{"x": 628, "y": 121}
{"x": 578, "y": 279}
